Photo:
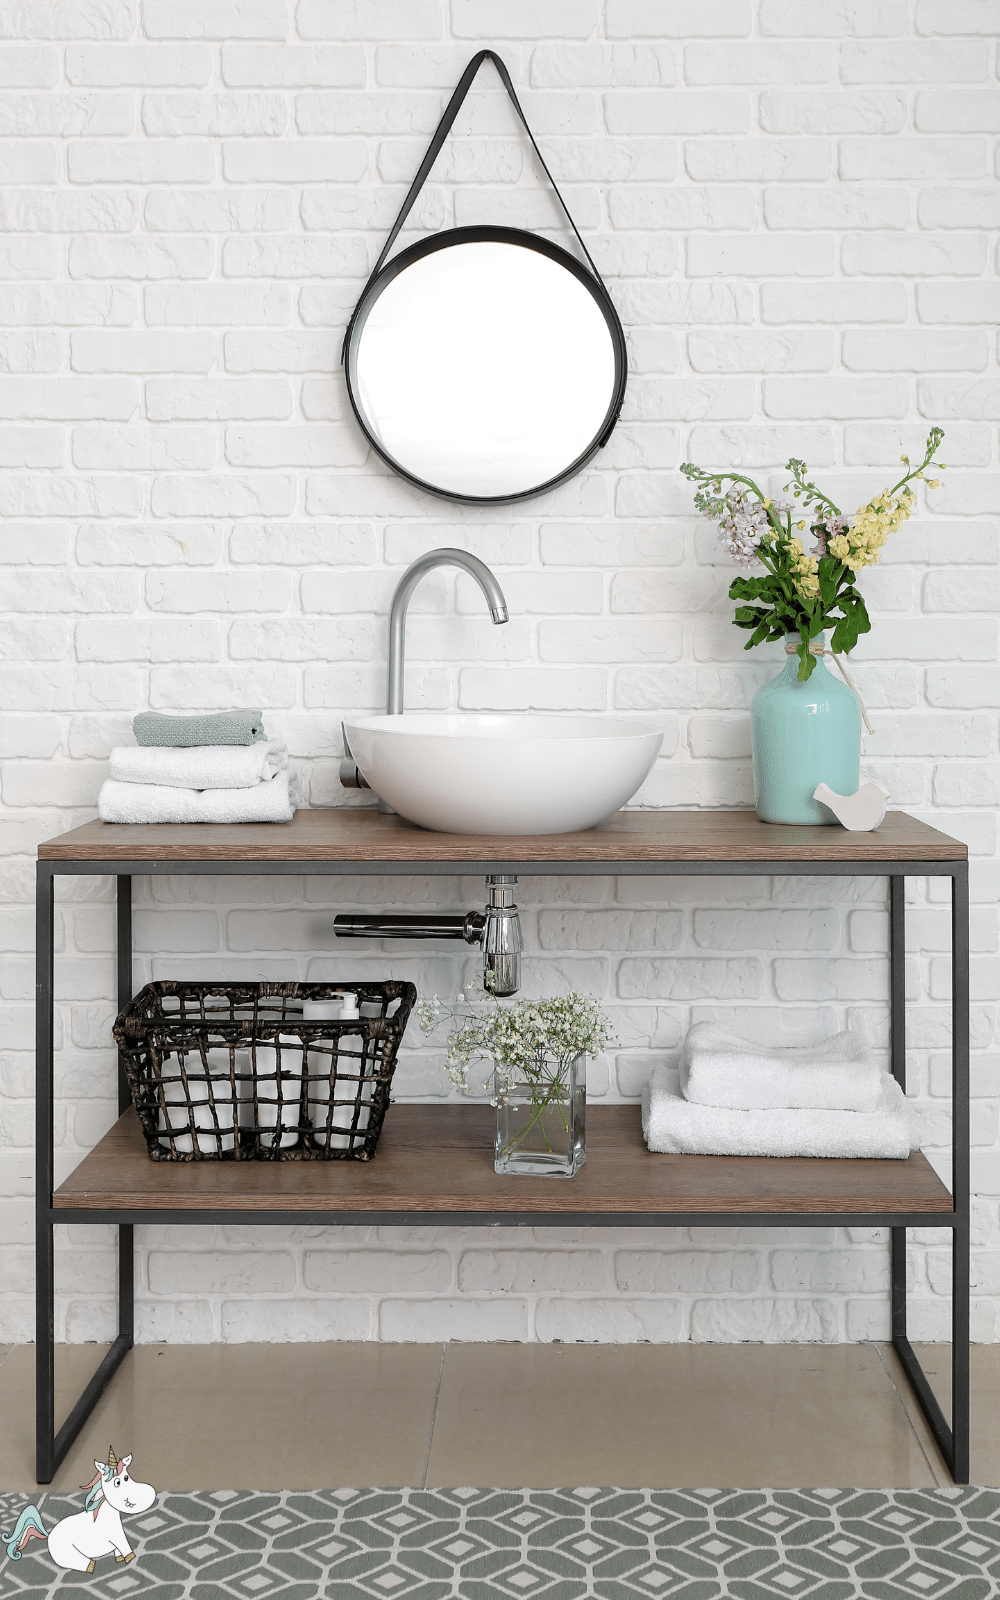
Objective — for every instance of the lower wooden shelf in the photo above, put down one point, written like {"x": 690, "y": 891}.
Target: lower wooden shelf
{"x": 440, "y": 1159}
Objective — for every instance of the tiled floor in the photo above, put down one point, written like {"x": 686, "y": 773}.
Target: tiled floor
{"x": 314, "y": 1416}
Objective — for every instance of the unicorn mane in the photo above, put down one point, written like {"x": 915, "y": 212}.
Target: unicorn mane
{"x": 95, "y": 1495}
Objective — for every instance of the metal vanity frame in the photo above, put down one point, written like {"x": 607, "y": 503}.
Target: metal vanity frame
{"x": 953, "y": 1440}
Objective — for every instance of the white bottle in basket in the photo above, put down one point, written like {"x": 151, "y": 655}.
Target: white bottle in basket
{"x": 349, "y": 1090}
{"x": 180, "y": 1109}
{"x": 268, "y": 1110}
{"x": 318, "y": 1092}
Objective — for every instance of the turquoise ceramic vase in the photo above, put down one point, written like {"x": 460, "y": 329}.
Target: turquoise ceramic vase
{"x": 804, "y": 734}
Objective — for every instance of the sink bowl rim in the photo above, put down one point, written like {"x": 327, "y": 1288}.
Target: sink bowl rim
{"x": 507, "y": 725}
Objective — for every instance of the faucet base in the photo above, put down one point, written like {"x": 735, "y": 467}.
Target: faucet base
{"x": 351, "y": 775}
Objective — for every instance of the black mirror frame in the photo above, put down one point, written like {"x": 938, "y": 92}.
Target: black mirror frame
{"x": 487, "y": 234}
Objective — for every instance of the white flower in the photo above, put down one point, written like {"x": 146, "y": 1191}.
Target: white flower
{"x": 532, "y": 1040}
{"x": 743, "y": 524}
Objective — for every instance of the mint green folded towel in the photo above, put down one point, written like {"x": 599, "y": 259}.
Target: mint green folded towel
{"x": 219, "y": 727}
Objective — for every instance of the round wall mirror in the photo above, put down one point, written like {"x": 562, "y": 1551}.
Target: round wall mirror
{"x": 486, "y": 364}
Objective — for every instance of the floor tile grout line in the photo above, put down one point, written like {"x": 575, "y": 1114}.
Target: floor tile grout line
{"x": 937, "y": 1468}
{"x": 437, "y": 1396}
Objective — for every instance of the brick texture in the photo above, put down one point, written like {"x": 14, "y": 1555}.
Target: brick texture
{"x": 791, "y": 202}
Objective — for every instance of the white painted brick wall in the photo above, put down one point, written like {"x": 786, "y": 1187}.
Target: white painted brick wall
{"x": 790, "y": 199}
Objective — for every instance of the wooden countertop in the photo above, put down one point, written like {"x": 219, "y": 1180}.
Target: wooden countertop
{"x": 340, "y": 835}
{"x": 440, "y": 1159}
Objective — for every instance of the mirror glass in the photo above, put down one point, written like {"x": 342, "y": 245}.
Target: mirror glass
{"x": 486, "y": 364}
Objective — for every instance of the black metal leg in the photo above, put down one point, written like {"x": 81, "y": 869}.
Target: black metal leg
{"x": 44, "y": 1272}
{"x": 51, "y": 1447}
{"x": 960, "y": 1171}
{"x": 953, "y": 1442}
{"x": 124, "y": 955}
{"x": 126, "y": 1259}
{"x": 897, "y": 1053}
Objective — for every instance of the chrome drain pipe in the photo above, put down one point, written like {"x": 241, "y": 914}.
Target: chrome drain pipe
{"x": 497, "y": 930}
{"x": 399, "y": 925}
{"x": 502, "y": 942}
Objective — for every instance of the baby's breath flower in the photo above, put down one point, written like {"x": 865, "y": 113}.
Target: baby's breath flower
{"x": 533, "y": 1040}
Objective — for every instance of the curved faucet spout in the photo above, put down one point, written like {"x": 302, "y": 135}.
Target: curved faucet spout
{"x": 445, "y": 557}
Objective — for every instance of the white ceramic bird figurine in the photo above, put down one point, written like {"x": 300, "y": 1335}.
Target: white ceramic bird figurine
{"x": 860, "y": 812}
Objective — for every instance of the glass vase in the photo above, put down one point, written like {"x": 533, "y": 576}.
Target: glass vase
{"x": 541, "y": 1121}
{"x": 804, "y": 734}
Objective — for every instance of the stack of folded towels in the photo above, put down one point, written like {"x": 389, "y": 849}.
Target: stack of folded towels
{"x": 733, "y": 1098}
{"x": 219, "y": 768}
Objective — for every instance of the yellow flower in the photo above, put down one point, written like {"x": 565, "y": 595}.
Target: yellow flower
{"x": 800, "y": 525}
{"x": 933, "y": 483}
{"x": 874, "y": 523}
{"x": 803, "y": 569}
{"x": 839, "y": 547}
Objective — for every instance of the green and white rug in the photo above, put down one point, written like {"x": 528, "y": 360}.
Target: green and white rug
{"x": 479, "y": 1544}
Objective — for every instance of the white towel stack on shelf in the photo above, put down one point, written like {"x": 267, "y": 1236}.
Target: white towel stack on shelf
{"x": 200, "y": 783}
{"x": 732, "y": 1098}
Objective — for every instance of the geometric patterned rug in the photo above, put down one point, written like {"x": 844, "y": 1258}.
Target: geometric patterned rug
{"x": 564, "y": 1544}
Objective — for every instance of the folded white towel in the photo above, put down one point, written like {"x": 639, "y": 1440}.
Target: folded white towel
{"x": 674, "y": 1126}
{"x": 204, "y": 766}
{"x": 719, "y": 1069}
{"x": 273, "y": 801}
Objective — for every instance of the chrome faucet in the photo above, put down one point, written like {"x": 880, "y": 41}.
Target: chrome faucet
{"x": 351, "y": 776}
{"x": 497, "y": 929}
{"x": 445, "y": 557}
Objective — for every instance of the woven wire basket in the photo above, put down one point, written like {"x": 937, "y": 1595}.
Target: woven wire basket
{"x": 232, "y": 1072}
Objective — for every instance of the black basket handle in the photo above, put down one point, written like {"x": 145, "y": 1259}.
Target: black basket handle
{"x": 433, "y": 151}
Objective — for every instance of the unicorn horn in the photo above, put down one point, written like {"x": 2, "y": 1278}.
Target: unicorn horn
{"x": 112, "y": 1458}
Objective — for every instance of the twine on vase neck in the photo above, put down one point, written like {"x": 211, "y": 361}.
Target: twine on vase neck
{"x": 815, "y": 649}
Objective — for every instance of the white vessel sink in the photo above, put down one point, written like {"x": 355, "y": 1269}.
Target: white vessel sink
{"x": 459, "y": 772}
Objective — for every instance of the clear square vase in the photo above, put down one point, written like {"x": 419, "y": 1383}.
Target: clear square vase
{"x": 541, "y": 1123}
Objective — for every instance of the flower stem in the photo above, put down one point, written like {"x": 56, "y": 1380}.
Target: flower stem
{"x": 538, "y": 1107}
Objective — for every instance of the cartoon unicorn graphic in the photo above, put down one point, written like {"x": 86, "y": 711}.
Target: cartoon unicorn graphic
{"x": 77, "y": 1543}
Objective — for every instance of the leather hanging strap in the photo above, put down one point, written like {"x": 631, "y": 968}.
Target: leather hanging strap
{"x": 433, "y": 151}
